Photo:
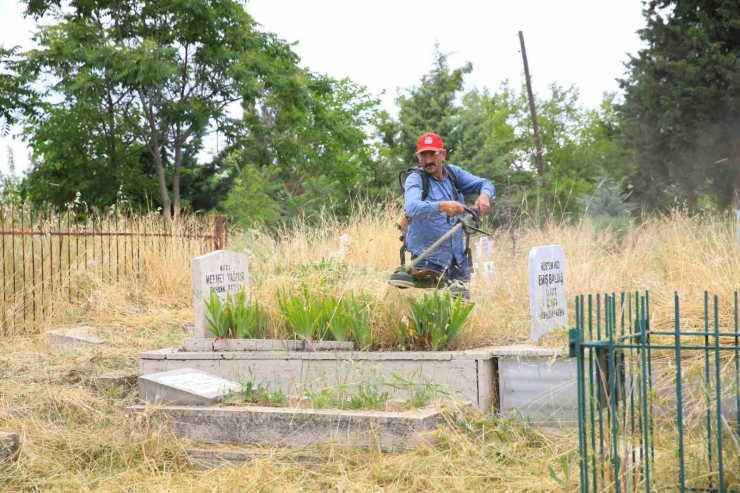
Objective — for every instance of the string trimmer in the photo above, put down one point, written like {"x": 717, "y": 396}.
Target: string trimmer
{"x": 408, "y": 276}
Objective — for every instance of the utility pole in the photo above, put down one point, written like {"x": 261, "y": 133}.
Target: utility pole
{"x": 533, "y": 113}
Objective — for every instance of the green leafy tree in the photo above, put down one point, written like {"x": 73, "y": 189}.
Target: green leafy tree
{"x": 492, "y": 146}
{"x": 165, "y": 72}
{"x": 17, "y": 96}
{"x": 249, "y": 201}
{"x": 680, "y": 112}
{"x": 78, "y": 147}
{"x": 430, "y": 107}
{"x": 311, "y": 148}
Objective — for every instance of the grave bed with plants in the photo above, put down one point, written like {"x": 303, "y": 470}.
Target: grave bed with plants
{"x": 329, "y": 342}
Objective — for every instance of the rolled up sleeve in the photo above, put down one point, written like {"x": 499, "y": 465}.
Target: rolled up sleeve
{"x": 414, "y": 206}
{"x": 470, "y": 184}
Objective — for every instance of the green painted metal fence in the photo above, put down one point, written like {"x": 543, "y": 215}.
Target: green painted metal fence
{"x": 658, "y": 409}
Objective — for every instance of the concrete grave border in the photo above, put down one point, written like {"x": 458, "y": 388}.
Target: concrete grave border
{"x": 205, "y": 459}
{"x": 296, "y": 428}
{"x": 538, "y": 385}
{"x": 198, "y": 344}
{"x": 534, "y": 383}
{"x": 466, "y": 375}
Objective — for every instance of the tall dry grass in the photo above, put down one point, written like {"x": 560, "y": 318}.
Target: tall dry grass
{"x": 663, "y": 255}
{"x": 77, "y": 439}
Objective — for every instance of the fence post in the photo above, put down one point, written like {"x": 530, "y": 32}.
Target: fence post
{"x": 220, "y": 231}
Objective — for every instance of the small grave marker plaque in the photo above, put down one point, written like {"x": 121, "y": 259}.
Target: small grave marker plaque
{"x": 547, "y": 297}
{"x": 186, "y": 387}
{"x": 225, "y": 272}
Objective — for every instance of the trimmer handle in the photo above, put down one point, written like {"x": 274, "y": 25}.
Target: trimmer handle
{"x": 473, "y": 211}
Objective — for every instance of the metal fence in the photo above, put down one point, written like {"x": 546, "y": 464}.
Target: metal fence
{"x": 49, "y": 256}
{"x": 658, "y": 409}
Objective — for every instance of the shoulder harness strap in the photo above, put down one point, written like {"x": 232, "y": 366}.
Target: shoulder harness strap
{"x": 425, "y": 179}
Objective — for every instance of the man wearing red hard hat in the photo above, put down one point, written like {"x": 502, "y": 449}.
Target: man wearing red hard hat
{"x": 433, "y": 201}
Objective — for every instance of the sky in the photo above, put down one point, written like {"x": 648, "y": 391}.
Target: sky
{"x": 387, "y": 45}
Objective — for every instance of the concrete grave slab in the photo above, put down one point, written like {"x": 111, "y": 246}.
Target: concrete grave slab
{"x": 222, "y": 271}
{"x": 61, "y": 340}
{"x": 187, "y": 387}
{"x": 9, "y": 443}
{"x": 296, "y": 428}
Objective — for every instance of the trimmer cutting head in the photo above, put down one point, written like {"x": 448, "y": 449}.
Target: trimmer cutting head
{"x": 407, "y": 277}
{"x": 402, "y": 279}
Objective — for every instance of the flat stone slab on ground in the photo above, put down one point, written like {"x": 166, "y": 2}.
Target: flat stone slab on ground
{"x": 204, "y": 459}
{"x": 295, "y": 428}
{"x": 185, "y": 387}
{"x": 104, "y": 382}
{"x": 8, "y": 445}
{"x": 61, "y": 340}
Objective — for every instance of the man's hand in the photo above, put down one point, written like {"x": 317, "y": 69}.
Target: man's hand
{"x": 483, "y": 203}
{"x": 451, "y": 207}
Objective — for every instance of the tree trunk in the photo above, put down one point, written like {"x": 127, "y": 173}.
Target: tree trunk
{"x": 156, "y": 149}
{"x": 166, "y": 203}
{"x": 176, "y": 180}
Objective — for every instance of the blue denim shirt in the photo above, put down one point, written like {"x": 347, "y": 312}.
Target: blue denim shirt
{"x": 428, "y": 224}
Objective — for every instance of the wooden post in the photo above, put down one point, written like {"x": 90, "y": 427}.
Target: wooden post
{"x": 533, "y": 113}
{"x": 220, "y": 231}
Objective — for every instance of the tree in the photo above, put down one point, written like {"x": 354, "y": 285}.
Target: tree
{"x": 166, "y": 70}
{"x": 682, "y": 95}
{"x": 309, "y": 145}
{"x": 17, "y": 97}
{"x": 497, "y": 142}
{"x": 82, "y": 147}
{"x": 431, "y": 107}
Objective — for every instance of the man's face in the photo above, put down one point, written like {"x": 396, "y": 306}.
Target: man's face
{"x": 432, "y": 161}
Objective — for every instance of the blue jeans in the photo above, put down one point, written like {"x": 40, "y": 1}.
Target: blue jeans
{"x": 456, "y": 275}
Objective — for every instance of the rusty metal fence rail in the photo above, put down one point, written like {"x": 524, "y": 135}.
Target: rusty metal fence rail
{"x": 48, "y": 256}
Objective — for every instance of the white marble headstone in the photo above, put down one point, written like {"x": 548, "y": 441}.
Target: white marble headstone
{"x": 547, "y": 297}
{"x": 224, "y": 271}
{"x": 342, "y": 252}
{"x": 484, "y": 248}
